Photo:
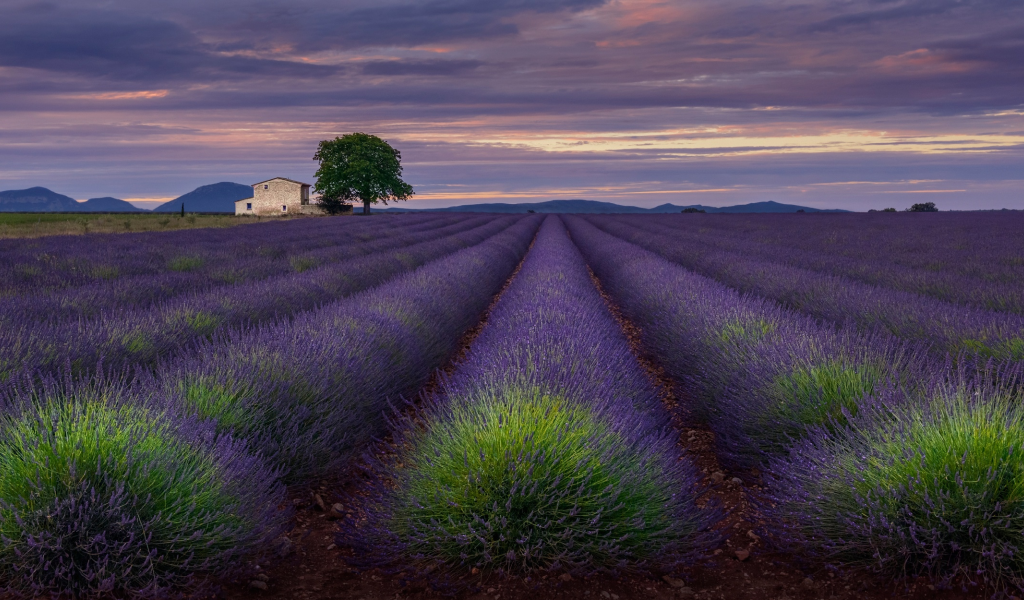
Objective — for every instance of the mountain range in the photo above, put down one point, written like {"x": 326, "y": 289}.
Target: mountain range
{"x": 218, "y": 197}
{"x": 221, "y": 197}
{"x": 40, "y": 199}
{"x": 595, "y": 207}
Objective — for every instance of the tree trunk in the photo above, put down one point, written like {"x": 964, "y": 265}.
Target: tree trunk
{"x": 366, "y": 207}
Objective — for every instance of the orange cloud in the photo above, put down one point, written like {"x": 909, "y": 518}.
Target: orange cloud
{"x": 634, "y": 13}
{"x": 922, "y": 60}
{"x": 618, "y": 44}
{"x": 140, "y": 95}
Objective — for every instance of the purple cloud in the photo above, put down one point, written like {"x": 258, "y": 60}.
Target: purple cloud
{"x": 631, "y": 101}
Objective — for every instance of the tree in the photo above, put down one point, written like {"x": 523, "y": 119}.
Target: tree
{"x": 923, "y": 207}
{"x": 359, "y": 166}
{"x": 691, "y": 209}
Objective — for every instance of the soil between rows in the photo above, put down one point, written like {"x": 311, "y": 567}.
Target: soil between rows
{"x": 316, "y": 568}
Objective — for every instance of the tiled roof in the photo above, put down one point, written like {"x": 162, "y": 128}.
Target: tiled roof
{"x": 282, "y": 178}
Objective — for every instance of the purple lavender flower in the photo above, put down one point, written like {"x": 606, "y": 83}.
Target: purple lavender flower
{"x": 760, "y": 374}
{"x": 546, "y": 450}
{"x": 105, "y": 490}
{"x": 310, "y": 391}
{"x": 948, "y": 328}
{"x": 927, "y": 487}
{"x": 146, "y": 335}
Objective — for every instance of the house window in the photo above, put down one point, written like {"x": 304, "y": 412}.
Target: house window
{"x": 248, "y": 206}
{"x": 284, "y": 208}
{"x": 266, "y": 187}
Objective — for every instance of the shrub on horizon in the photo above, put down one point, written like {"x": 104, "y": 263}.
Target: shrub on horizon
{"x": 104, "y": 493}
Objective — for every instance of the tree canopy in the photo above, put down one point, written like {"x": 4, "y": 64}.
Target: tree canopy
{"x": 923, "y": 207}
{"x": 359, "y": 166}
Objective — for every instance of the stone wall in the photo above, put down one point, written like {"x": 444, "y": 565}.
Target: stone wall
{"x": 270, "y": 197}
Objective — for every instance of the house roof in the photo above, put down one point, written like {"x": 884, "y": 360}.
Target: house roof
{"x": 243, "y": 200}
{"x": 281, "y": 178}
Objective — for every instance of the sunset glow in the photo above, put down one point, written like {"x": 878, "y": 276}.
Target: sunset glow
{"x": 635, "y": 101}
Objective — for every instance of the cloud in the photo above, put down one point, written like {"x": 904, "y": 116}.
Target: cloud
{"x": 417, "y": 22}
{"x": 515, "y": 95}
{"x": 420, "y": 67}
{"x": 120, "y": 46}
{"x": 880, "y": 12}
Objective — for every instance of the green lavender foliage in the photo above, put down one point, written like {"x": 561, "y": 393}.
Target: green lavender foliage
{"x": 99, "y": 495}
{"x": 933, "y": 488}
{"x": 529, "y": 481}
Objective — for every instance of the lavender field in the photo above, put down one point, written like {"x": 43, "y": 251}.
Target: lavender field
{"x": 498, "y": 398}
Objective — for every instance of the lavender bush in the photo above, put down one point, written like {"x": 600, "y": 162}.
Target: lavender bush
{"x": 930, "y": 487}
{"x": 104, "y": 492}
{"x": 309, "y": 391}
{"x": 546, "y": 450}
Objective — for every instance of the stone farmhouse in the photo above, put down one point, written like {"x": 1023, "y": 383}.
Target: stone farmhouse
{"x": 278, "y": 197}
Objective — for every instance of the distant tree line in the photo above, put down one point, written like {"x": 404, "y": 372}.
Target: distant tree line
{"x": 921, "y": 207}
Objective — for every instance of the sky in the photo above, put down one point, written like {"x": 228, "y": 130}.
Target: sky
{"x": 853, "y": 104}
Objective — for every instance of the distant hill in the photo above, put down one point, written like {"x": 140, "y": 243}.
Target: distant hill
{"x": 37, "y": 199}
{"x": 218, "y": 197}
{"x": 551, "y": 206}
{"x": 595, "y": 207}
{"x": 755, "y": 207}
{"x": 40, "y": 199}
{"x": 108, "y": 204}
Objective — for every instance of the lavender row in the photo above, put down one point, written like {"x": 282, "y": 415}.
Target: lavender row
{"x": 948, "y": 328}
{"x": 57, "y": 262}
{"x": 141, "y": 487}
{"x": 141, "y": 337}
{"x": 143, "y": 292}
{"x": 974, "y": 259}
{"x": 889, "y": 460}
{"x": 309, "y": 391}
{"x": 548, "y": 449}
{"x": 111, "y": 262}
{"x": 760, "y": 374}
